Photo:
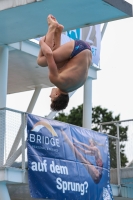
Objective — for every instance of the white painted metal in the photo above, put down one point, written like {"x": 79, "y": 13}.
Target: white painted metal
{"x": 29, "y": 110}
{"x": 26, "y": 46}
{"x": 52, "y": 114}
{"x": 115, "y": 190}
{"x": 34, "y": 99}
{"x": 12, "y": 175}
{"x": 23, "y": 119}
{"x": 87, "y": 100}
{"x": 3, "y": 75}
{"x": 15, "y": 155}
{"x": 87, "y": 105}
{"x": 15, "y": 144}
{"x": 12, "y": 155}
{"x": 103, "y": 30}
{"x": 2, "y": 135}
{"x": 4, "y": 195}
{"x": 3, "y": 92}
{"x": 118, "y": 159}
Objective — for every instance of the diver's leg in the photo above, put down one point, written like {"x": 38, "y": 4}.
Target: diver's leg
{"x": 48, "y": 39}
{"x": 57, "y": 36}
{"x": 61, "y": 54}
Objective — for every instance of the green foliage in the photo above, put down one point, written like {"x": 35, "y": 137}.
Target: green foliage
{"x": 75, "y": 116}
{"x": 100, "y": 115}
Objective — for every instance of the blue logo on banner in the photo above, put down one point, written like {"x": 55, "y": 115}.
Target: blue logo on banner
{"x": 74, "y": 34}
{"x": 66, "y": 161}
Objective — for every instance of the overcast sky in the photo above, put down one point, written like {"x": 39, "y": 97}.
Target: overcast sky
{"x": 113, "y": 88}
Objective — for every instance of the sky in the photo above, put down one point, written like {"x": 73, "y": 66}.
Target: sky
{"x": 113, "y": 87}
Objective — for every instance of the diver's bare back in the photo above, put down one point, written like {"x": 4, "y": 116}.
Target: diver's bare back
{"x": 74, "y": 73}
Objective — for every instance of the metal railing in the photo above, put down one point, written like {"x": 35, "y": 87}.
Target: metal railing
{"x": 123, "y": 130}
{"x": 13, "y": 136}
{"x": 124, "y": 133}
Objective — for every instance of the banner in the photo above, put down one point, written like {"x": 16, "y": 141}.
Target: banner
{"x": 66, "y": 161}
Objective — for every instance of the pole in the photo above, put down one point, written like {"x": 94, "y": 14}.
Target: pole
{"x": 3, "y": 92}
{"x": 87, "y": 105}
{"x": 118, "y": 159}
{"x": 3, "y": 75}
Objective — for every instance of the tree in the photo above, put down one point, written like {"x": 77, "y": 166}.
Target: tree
{"x": 100, "y": 115}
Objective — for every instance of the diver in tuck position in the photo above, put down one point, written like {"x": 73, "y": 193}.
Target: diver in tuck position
{"x": 68, "y": 64}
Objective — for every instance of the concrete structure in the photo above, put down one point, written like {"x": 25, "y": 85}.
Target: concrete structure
{"x": 19, "y": 71}
{"x": 25, "y": 22}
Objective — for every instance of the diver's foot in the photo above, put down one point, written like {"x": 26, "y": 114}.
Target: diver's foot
{"x": 52, "y": 22}
{"x": 59, "y": 28}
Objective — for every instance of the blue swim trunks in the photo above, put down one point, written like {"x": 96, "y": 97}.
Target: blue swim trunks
{"x": 78, "y": 47}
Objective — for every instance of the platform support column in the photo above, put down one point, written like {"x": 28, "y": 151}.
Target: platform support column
{"x": 87, "y": 104}
{"x": 3, "y": 75}
{"x": 34, "y": 99}
{"x": 4, "y": 194}
{"x": 3, "y": 93}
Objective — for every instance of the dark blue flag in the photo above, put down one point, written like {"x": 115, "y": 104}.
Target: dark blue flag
{"x": 66, "y": 161}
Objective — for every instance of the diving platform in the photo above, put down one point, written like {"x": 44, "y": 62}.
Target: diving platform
{"x": 22, "y": 21}
{"x": 23, "y": 67}
{"x": 28, "y": 21}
